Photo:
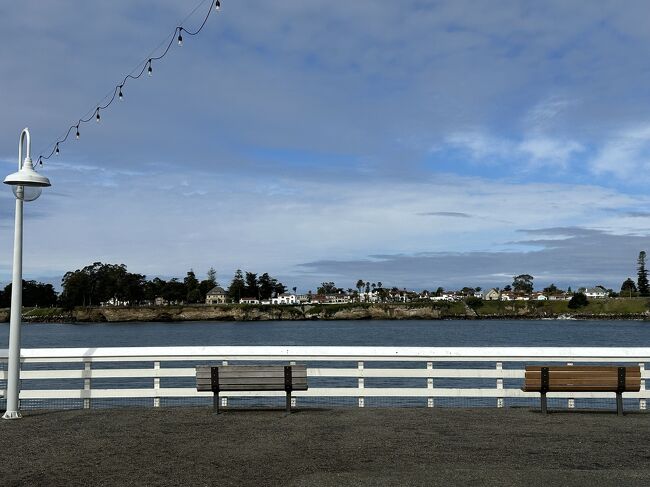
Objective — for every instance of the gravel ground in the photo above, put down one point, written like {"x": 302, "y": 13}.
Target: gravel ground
{"x": 333, "y": 447}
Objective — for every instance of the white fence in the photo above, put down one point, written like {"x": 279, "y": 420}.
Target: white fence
{"x": 498, "y": 371}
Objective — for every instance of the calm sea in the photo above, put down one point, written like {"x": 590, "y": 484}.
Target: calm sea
{"x": 379, "y": 333}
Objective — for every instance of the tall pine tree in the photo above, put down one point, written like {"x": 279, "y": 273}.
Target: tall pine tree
{"x": 236, "y": 289}
{"x": 642, "y": 276}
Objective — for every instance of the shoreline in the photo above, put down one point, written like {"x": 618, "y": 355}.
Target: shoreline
{"x": 606, "y": 309}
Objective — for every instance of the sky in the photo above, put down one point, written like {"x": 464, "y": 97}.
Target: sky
{"x": 417, "y": 143}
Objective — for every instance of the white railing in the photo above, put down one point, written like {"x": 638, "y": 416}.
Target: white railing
{"x": 435, "y": 369}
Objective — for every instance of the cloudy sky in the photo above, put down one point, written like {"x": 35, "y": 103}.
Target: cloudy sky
{"x": 417, "y": 143}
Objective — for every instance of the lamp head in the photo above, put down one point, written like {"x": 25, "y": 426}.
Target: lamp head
{"x": 26, "y": 176}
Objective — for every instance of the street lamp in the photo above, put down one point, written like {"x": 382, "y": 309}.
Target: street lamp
{"x": 26, "y": 185}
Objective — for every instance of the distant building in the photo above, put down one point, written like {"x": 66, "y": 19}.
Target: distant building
{"x": 597, "y": 292}
{"x": 492, "y": 295}
{"x": 160, "y": 301}
{"x": 249, "y": 301}
{"x": 217, "y": 295}
{"x": 284, "y": 298}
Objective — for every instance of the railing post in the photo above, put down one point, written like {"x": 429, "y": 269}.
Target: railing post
{"x": 87, "y": 367}
{"x": 361, "y": 385}
{"x": 293, "y": 398}
{"x": 156, "y": 385}
{"x": 430, "y": 385}
{"x": 499, "y": 367}
{"x": 571, "y": 402}
{"x": 224, "y": 399}
{"x": 642, "y": 401}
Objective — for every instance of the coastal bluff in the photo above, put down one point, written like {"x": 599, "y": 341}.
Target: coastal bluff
{"x": 620, "y": 308}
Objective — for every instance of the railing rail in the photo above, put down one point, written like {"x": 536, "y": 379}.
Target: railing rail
{"x": 438, "y": 364}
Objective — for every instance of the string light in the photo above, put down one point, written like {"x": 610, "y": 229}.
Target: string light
{"x": 147, "y": 65}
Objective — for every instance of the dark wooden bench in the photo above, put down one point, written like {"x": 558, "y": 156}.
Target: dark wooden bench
{"x": 583, "y": 378}
{"x": 286, "y": 378}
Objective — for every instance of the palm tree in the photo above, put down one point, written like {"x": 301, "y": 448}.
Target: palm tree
{"x": 360, "y": 285}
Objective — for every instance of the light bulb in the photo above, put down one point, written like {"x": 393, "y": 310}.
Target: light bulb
{"x": 120, "y": 95}
{"x": 149, "y": 70}
{"x": 78, "y": 134}
{"x": 57, "y": 149}
{"x": 180, "y": 38}
{"x": 97, "y": 117}
{"x": 217, "y": 4}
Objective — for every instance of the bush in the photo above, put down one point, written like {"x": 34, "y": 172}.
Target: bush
{"x": 474, "y": 302}
{"x": 578, "y": 300}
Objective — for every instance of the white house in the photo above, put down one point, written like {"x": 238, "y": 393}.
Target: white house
{"x": 217, "y": 295}
{"x": 249, "y": 301}
{"x": 284, "y": 298}
{"x": 597, "y": 292}
{"x": 492, "y": 295}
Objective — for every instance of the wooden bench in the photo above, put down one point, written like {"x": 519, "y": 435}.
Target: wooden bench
{"x": 286, "y": 378}
{"x": 583, "y": 378}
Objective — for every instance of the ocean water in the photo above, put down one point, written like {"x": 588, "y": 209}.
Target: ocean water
{"x": 605, "y": 333}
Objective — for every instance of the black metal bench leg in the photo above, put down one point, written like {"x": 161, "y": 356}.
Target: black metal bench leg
{"x": 215, "y": 403}
{"x": 288, "y": 402}
{"x": 542, "y": 401}
{"x": 619, "y": 404}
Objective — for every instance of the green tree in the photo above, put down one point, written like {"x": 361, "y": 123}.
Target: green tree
{"x": 266, "y": 285}
{"x": 474, "y": 302}
{"x": 174, "y": 291}
{"x": 98, "y": 283}
{"x": 193, "y": 292}
{"x": 328, "y": 288}
{"x": 212, "y": 277}
{"x": 35, "y": 294}
{"x": 578, "y": 300}
{"x": 628, "y": 287}
{"x": 360, "y": 285}
{"x": 154, "y": 289}
{"x": 523, "y": 283}
{"x": 237, "y": 287}
{"x": 642, "y": 276}
{"x": 552, "y": 289}
{"x": 252, "y": 289}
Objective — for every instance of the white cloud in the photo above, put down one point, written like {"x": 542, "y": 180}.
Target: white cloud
{"x": 626, "y": 154}
{"x": 532, "y": 151}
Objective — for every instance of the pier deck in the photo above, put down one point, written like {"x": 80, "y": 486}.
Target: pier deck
{"x": 328, "y": 447}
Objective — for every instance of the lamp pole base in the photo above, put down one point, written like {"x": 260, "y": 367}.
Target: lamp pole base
{"x": 12, "y": 415}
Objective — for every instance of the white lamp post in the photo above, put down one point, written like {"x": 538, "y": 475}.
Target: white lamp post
{"x": 26, "y": 185}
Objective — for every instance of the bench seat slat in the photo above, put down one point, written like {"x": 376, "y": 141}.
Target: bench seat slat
{"x": 260, "y": 380}
{"x": 573, "y": 388}
{"x": 259, "y": 387}
{"x": 582, "y": 380}
{"x": 604, "y": 369}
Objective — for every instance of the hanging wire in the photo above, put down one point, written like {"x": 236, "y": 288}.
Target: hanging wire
{"x": 146, "y": 64}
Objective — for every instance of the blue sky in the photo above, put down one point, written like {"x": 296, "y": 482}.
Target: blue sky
{"x": 416, "y": 143}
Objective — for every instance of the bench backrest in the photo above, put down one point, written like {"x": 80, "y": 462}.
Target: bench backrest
{"x": 251, "y": 378}
{"x": 582, "y": 378}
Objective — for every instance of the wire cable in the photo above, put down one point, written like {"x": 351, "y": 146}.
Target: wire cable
{"x": 146, "y": 64}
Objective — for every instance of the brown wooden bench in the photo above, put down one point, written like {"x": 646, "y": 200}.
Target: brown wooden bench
{"x": 286, "y": 378}
{"x": 583, "y": 378}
